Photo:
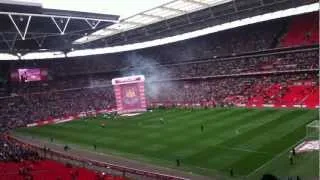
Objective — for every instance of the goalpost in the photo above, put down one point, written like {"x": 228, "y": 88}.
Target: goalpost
{"x": 313, "y": 130}
{"x": 311, "y": 141}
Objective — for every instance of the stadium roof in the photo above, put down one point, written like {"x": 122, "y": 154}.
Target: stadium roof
{"x": 48, "y": 42}
{"x": 29, "y": 26}
{"x": 166, "y": 11}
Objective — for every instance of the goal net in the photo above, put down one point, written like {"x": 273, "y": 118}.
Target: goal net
{"x": 311, "y": 142}
{"x": 312, "y": 130}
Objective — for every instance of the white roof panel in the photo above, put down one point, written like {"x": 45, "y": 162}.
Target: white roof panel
{"x": 184, "y": 5}
{"x": 122, "y": 26}
{"x": 162, "y": 12}
{"x": 165, "y": 11}
{"x": 142, "y": 19}
{"x": 212, "y": 2}
{"x": 103, "y": 32}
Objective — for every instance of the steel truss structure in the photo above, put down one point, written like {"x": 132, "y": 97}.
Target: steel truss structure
{"x": 39, "y": 38}
{"x": 161, "y": 13}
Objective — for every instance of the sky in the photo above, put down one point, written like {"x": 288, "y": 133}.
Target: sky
{"x": 124, "y": 8}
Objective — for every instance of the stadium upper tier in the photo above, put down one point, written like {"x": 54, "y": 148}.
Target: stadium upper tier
{"x": 305, "y": 60}
{"x": 256, "y": 37}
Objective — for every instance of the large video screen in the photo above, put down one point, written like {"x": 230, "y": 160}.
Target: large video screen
{"x": 26, "y": 75}
{"x": 29, "y": 74}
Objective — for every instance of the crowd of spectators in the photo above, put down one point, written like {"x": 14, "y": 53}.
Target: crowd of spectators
{"x": 286, "y": 61}
{"x": 218, "y": 90}
{"x": 21, "y": 161}
{"x": 14, "y": 152}
{"x": 26, "y": 108}
{"x": 302, "y": 30}
{"x": 29, "y": 107}
{"x": 214, "y": 81}
{"x": 298, "y": 60}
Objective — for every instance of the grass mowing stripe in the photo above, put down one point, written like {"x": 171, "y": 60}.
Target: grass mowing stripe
{"x": 231, "y": 142}
{"x": 216, "y": 150}
{"x": 195, "y": 135}
{"x": 189, "y": 139}
{"x": 281, "y": 130}
{"x": 255, "y": 132}
{"x": 226, "y": 114}
{"x": 276, "y": 146}
{"x": 178, "y": 120}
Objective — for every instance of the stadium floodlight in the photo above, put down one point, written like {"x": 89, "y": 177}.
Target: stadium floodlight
{"x": 198, "y": 33}
{"x": 43, "y": 55}
{"x": 7, "y": 56}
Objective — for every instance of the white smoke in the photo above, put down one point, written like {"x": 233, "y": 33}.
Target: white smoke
{"x": 151, "y": 69}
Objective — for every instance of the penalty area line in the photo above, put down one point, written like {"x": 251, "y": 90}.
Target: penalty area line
{"x": 242, "y": 149}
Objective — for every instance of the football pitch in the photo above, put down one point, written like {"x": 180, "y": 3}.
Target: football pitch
{"x": 206, "y": 141}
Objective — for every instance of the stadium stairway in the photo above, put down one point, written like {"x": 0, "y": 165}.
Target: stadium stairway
{"x": 312, "y": 98}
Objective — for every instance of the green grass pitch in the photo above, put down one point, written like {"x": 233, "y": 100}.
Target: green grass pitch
{"x": 246, "y": 140}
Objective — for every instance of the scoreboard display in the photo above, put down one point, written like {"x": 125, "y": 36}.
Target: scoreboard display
{"x": 129, "y": 93}
{"x": 29, "y": 74}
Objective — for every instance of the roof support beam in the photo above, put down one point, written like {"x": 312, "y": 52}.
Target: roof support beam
{"x": 235, "y": 5}
{"x": 172, "y": 9}
{"x": 56, "y": 16}
{"x": 91, "y": 25}
{"x": 62, "y": 30}
{"x": 10, "y": 42}
{"x": 39, "y": 40}
{"x": 24, "y": 33}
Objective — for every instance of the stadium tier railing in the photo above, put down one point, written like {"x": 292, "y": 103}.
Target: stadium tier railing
{"x": 157, "y": 104}
{"x": 122, "y": 169}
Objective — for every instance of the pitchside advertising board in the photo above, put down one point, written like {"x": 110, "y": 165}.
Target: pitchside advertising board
{"x": 129, "y": 93}
{"x": 29, "y": 74}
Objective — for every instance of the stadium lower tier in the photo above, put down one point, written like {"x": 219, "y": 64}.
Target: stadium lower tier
{"x": 48, "y": 170}
{"x": 20, "y": 161}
